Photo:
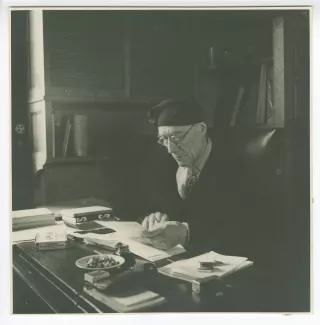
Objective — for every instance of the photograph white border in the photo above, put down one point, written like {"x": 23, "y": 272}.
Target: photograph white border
{"x": 5, "y": 177}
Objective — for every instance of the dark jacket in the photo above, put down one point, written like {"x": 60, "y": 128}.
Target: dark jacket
{"x": 229, "y": 209}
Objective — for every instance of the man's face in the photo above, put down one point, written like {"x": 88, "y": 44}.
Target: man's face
{"x": 184, "y": 143}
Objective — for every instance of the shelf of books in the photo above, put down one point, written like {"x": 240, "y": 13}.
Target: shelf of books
{"x": 70, "y": 135}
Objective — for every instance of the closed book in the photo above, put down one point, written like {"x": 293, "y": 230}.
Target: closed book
{"x": 30, "y": 225}
{"x": 31, "y": 215}
{"x": 24, "y": 219}
{"x": 262, "y": 97}
{"x": 130, "y": 300}
{"x": 66, "y": 138}
{"x": 80, "y": 123}
{"x": 86, "y": 214}
{"x": 237, "y": 105}
{"x": 85, "y": 226}
{"x": 74, "y": 221}
{"x": 81, "y": 220}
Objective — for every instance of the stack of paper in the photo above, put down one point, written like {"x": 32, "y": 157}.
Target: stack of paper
{"x": 32, "y": 218}
{"x": 133, "y": 299}
{"x": 189, "y": 269}
{"x": 30, "y": 234}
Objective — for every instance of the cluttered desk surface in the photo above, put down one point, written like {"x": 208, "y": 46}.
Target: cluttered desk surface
{"x": 150, "y": 284}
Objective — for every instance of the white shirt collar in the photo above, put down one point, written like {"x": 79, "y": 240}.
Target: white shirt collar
{"x": 186, "y": 177}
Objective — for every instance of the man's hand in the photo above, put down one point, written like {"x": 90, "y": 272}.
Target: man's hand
{"x": 165, "y": 235}
{"x": 153, "y": 220}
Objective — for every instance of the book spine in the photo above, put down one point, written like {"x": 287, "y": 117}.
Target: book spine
{"x": 103, "y": 213}
{"x": 81, "y": 135}
{"x": 66, "y": 138}
{"x": 269, "y": 96}
{"x": 81, "y": 219}
{"x": 237, "y": 106}
{"x": 262, "y": 98}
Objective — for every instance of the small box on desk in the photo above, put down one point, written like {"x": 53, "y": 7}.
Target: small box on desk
{"x": 49, "y": 240}
{"x": 96, "y": 276}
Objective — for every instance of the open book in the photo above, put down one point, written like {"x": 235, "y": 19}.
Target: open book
{"x": 189, "y": 269}
{"x": 129, "y": 233}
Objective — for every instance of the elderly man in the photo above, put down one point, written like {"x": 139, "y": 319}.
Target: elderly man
{"x": 204, "y": 206}
{"x": 214, "y": 196}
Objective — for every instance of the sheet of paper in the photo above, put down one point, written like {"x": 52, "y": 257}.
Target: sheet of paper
{"x": 145, "y": 251}
{"x": 150, "y": 253}
{"x": 136, "y": 296}
{"x": 127, "y": 228}
{"x": 31, "y": 213}
{"x": 190, "y": 267}
{"x": 30, "y": 234}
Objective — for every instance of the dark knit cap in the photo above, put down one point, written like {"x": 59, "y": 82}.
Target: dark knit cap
{"x": 176, "y": 112}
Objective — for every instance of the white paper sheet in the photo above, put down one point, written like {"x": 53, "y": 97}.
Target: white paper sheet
{"x": 190, "y": 267}
{"x": 127, "y": 228}
{"x": 30, "y": 234}
{"x": 125, "y": 233}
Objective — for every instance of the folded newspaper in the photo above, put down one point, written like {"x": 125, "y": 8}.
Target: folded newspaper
{"x": 191, "y": 270}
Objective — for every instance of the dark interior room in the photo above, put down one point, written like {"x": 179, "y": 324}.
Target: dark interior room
{"x": 82, "y": 85}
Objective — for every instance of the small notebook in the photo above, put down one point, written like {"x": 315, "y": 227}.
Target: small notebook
{"x": 132, "y": 299}
{"x": 189, "y": 269}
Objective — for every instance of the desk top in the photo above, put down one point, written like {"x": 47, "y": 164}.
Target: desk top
{"x": 57, "y": 267}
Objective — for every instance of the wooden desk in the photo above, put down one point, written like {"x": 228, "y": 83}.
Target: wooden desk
{"x": 50, "y": 282}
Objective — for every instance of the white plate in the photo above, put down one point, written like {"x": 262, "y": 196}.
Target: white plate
{"x": 82, "y": 262}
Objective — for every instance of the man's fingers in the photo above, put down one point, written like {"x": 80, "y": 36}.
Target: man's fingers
{"x": 145, "y": 222}
{"x": 149, "y": 221}
{"x": 146, "y": 241}
{"x": 161, "y": 242}
{"x": 152, "y": 220}
{"x": 152, "y": 232}
{"x": 164, "y": 218}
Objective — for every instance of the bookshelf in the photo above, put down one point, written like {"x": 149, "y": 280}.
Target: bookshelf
{"x": 240, "y": 70}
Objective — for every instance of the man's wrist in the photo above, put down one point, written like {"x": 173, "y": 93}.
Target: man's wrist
{"x": 188, "y": 233}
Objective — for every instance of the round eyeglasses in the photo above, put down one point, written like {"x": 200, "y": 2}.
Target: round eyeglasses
{"x": 177, "y": 140}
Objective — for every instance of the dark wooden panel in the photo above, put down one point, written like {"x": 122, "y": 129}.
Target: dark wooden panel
{"x": 22, "y": 181}
{"x": 57, "y": 295}
{"x": 161, "y": 54}
{"x": 111, "y": 126}
{"x": 71, "y": 181}
{"x": 25, "y": 300}
{"x": 84, "y": 49}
